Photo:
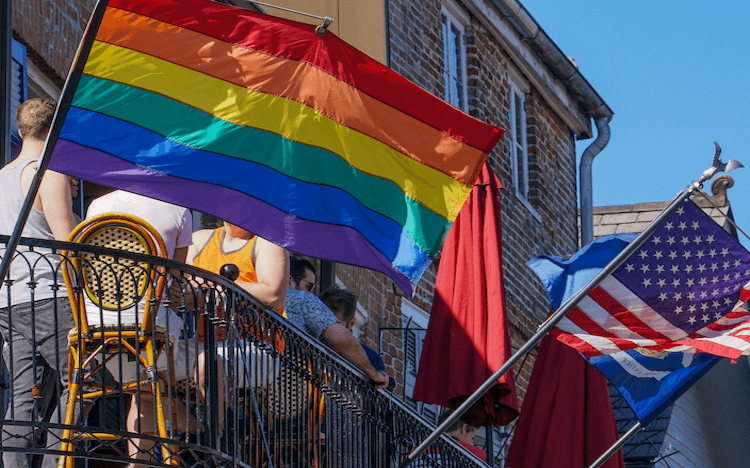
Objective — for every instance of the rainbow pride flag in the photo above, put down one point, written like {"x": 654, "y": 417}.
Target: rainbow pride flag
{"x": 260, "y": 121}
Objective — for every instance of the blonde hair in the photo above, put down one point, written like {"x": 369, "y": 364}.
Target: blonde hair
{"x": 34, "y": 117}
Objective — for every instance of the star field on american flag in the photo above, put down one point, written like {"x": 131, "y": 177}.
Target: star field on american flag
{"x": 690, "y": 270}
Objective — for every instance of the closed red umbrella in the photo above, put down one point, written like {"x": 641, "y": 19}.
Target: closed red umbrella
{"x": 467, "y": 338}
{"x": 567, "y": 417}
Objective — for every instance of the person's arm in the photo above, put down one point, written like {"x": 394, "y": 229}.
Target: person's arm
{"x": 341, "y": 340}
{"x": 272, "y": 270}
{"x": 180, "y": 254}
{"x": 57, "y": 204}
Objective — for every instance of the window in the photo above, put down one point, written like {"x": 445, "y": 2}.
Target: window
{"x": 414, "y": 324}
{"x": 413, "y": 340}
{"x": 454, "y": 55}
{"x": 19, "y": 93}
{"x": 518, "y": 146}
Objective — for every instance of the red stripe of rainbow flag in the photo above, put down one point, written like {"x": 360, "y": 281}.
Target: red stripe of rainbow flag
{"x": 300, "y": 138}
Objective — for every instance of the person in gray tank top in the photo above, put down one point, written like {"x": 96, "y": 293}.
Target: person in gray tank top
{"x": 35, "y": 320}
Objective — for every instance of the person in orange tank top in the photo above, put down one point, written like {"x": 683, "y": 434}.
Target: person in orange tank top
{"x": 264, "y": 266}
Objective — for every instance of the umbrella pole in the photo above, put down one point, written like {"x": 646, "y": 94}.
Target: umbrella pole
{"x": 617, "y": 445}
{"x": 553, "y": 319}
{"x": 489, "y": 444}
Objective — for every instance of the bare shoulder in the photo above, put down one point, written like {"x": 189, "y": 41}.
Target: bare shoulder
{"x": 263, "y": 245}
{"x": 201, "y": 238}
{"x": 271, "y": 262}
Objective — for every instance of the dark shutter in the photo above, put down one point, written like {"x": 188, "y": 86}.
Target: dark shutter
{"x": 19, "y": 92}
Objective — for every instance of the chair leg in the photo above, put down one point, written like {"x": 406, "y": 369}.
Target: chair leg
{"x": 152, "y": 357}
{"x": 161, "y": 422}
{"x": 68, "y": 446}
{"x": 74, "y": 378}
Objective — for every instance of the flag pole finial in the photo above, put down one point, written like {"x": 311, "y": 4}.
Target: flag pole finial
{"x": 718, "y": 166}
{"x": 322, "y": 29}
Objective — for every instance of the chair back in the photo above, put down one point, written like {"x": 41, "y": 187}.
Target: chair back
{"x": 110, "y": 282}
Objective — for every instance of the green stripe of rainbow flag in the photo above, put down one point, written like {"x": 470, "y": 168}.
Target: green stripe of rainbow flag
{"x": 299, "y": 138}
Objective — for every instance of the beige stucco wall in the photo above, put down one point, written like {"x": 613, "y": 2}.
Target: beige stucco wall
{"x": 361, "y": 23}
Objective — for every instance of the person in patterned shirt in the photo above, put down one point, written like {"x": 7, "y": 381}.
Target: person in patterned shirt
{"x": 309, "y": 313}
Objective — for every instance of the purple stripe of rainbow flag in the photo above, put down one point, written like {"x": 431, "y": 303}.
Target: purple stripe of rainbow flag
{"x": 382, "y": 126}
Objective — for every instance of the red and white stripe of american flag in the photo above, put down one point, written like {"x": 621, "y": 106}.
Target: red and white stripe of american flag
{"x": 612, "y": 319}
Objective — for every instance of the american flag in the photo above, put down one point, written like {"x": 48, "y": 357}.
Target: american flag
{"x": 683, "y": 290}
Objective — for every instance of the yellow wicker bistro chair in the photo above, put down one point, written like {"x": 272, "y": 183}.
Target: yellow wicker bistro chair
{"x": 109, "y": 283}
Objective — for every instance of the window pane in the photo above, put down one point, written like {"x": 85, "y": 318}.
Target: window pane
{"x": 446, "y": 60}
{"x": 447, "y": 83}
{"x": 455, "y": 90}
{"x": 446, "y": 43}
{"x": 453, "y": 74}
{"x": 458, "y": 69}
{"x": 455, "y": 40}
{"x": 521, "y": 164}
{"x": 519, "y": 119}
{"x": 519, "y": 158}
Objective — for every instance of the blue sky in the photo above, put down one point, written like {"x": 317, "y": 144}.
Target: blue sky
{"x": 677, "y": 76}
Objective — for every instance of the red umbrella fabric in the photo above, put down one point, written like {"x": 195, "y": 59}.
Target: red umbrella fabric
{"x": 467, "y": 338}
{"x": 567, "y": 417}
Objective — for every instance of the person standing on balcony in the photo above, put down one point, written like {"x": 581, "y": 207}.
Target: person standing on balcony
{"x": 35, "y": 325}
{"x": 305, "y": 310}
{"x": 263, "y": 265}
{"x": 175, "y": 227}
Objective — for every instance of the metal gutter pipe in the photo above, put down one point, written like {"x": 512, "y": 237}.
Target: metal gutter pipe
{"x": 586, "y": 185}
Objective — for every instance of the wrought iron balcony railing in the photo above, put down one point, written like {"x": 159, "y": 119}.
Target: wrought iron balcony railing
{"x": 244, "y": 387}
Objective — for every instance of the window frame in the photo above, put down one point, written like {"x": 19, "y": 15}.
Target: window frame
{"x": 414, "y": 321}
{"x": 451, "y": 15}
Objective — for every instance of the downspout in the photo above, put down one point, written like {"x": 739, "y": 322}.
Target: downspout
{"x": 586, "y": 184}
{"x": 591, "y": 103}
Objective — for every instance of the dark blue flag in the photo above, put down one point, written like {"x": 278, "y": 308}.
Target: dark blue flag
{"x": 651, "y": 380}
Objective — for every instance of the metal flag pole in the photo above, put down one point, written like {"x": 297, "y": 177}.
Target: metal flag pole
{"x": 560, "y": 313}
{"x": 617, "y": 445}
{"x": 74, "y": 77}
{"x": 320, "y": 30}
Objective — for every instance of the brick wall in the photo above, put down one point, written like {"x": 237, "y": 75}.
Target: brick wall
{"x": 416, "y": 53}
{"x": 51, "y": 30}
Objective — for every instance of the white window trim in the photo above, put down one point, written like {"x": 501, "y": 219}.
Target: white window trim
{"x": 361, "y": 315}
{"x": 519, "y": 85}
{"x": 459, "y": 18}
{"x": 419, "y": 319}
{"x": 41, "y": 84}
{"x": 418, "y": 316}
{"x": 531, "y": 209}
{"x": 456, "y": 12}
